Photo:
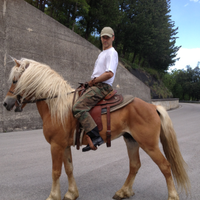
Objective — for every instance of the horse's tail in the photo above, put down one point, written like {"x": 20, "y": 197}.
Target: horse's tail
{"x": 172, "y": 151}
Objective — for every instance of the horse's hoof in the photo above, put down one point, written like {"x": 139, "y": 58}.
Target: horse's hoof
{"x": 66, "y": 198}
{"x": 116, "y": 197}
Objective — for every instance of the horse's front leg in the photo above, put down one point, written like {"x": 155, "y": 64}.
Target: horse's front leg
{"x": 57, "y": 153}
{"x": 133, "y": 152}
{"x": 72, "y": 192}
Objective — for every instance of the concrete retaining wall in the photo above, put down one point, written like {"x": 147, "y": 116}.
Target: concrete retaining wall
{"x": 167, "y": 103}
{"x": 27, "y": 32}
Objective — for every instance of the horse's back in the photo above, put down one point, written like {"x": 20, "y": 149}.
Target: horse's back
{"x": 144, "y": 108}
{"x": 144, "y": 117}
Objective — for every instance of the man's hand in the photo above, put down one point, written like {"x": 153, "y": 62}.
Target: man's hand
{"x": 92, "y": 82}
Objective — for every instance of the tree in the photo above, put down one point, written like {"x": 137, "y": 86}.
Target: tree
{"x": 184, "y": 84}
{"x": 101, "y": 13}
{"x": 147, "y": 33}
{"x": 144, "y": 31}
{"x": 159, "y": 47}
{"x": 40, "y": 4}
{"x": 64, "y": 11}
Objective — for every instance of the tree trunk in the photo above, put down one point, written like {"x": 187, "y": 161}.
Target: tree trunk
{"x": 74, "y": 16}
{"x": 134, "y": 56}
{"x": 140, "y": 58}
{"x": 87, "y": 32}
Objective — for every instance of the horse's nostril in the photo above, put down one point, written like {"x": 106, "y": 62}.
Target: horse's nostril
{"x": 4, "y": 104}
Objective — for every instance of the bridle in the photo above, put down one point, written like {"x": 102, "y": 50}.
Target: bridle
{"x": 20, "y": 103}
{"x": 18, "y": 97}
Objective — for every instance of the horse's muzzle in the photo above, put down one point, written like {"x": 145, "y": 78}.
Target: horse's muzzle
{"x": 9, "y": 103}
{"x": 9, "y": 108}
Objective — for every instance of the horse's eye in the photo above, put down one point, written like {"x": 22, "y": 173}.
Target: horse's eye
{"x": 14, "y": 82}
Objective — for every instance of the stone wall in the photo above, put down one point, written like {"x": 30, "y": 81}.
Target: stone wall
{"x": 168, "y": 104}
{"x": 27, "y": 32}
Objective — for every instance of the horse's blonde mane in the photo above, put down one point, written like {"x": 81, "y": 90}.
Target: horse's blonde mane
{"x": 40, "y": 81}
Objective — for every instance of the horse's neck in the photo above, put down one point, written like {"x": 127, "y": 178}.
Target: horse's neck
{"x": 43, "y": 109}
{"x": 70, "y": 121}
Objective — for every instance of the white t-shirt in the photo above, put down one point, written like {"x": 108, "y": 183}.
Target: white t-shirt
{"x": 106, "y": 61}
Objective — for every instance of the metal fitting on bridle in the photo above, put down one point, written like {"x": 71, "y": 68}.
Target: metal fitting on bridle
{"x": 18, "y": 101}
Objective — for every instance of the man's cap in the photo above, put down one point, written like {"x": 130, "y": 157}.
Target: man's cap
{"x": 107, "y": 31}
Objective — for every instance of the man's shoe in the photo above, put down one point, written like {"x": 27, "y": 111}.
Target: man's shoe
{"x": 95, "y": 137}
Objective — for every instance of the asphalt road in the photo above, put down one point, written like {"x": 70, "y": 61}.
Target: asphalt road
{"x": 25, "y": 165}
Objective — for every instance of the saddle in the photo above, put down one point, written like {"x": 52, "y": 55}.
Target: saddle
{"x": 112, "y": 99}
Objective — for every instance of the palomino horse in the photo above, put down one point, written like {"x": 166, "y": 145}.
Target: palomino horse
{"x": 142, "y": 125}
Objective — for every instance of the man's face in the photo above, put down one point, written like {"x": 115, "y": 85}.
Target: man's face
{"x": 107, "y": 41}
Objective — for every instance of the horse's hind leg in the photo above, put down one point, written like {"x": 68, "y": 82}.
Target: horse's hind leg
{"x": 134, "y": 160}
{"x": 72, "y": 192}
{"x": 165, "y": 168}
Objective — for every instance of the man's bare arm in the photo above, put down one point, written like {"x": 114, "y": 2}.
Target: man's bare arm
{"x": 105, "y": 76}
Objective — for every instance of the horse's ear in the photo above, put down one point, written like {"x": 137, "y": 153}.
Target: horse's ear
{"x": 17, "y": 62}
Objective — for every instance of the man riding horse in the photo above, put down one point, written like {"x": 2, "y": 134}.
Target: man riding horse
{"x": 99, "y": 86}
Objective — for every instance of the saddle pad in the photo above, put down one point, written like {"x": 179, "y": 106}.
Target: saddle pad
{"x": 98, "y": 111}
{"x": 126, "y": 100}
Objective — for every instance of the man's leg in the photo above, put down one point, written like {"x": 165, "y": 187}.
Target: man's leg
{"x": 81, "y": 111}
{"x": 84, "y": 104}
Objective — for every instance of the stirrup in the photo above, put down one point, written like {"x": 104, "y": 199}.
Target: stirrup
{"x": 90, "y": 143}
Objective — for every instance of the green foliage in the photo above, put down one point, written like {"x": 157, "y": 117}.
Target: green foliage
{"x": 101, "y": 13}
{"x": 95, "y": 40}
{"x": 40, "y": 4}
{"x": 150, "y": 77}
{"x": 184, "y": 84}
{"x": 153, "y": 72}
{"x": 128, "y": 65}
{"x": 64, "y": 11}
{"x": 144, "y": 32}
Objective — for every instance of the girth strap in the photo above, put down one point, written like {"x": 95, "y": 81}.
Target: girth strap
{"x": 108, "y": 132}
{"x": 80, "y": 90}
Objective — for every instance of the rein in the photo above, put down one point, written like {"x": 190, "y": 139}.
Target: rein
{"x": 81, "y": 89}
{"x": 33, "y": 101}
